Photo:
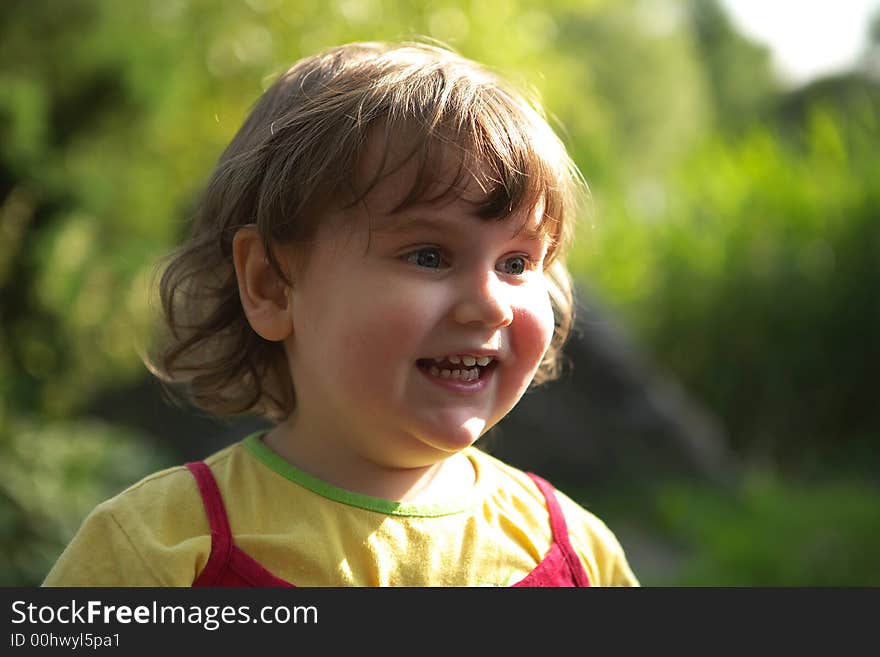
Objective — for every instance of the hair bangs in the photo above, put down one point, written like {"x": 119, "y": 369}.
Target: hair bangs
{"x": 478, "y": 144}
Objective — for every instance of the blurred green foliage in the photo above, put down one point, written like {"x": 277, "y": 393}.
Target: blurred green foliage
{"x": 766, "y": 530}
{"x": 772, "y": 532}
{"x": 53, "y": 474}
{"x": 751, "y": 271}
{"x": 734, "y": 224}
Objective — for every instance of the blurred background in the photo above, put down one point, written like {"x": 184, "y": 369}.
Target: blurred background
{"x": 721, "y": 414}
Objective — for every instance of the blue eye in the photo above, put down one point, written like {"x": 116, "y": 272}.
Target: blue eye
{"x": 516, "y": 266}
{"x": 427, "y": 257}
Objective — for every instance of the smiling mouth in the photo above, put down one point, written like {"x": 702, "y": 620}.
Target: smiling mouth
{"x": 455, "y": 371}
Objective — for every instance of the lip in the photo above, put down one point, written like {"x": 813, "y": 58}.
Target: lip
{"x": 462, "y": 387}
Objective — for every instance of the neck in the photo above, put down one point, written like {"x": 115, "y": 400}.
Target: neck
{"x": 438, "y": 479}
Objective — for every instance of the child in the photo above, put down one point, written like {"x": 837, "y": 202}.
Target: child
{"x": 378, "y": 267}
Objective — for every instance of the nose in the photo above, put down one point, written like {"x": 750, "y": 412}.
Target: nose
{"x": 483, "y": 299}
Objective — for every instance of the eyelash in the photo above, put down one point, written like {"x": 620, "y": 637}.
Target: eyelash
{"x": 412, "y": 257}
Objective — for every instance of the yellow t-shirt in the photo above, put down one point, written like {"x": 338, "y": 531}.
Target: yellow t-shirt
{"x": 310, "y": 533}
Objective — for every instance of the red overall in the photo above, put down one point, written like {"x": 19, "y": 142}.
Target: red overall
{"x": 230, "y": 566}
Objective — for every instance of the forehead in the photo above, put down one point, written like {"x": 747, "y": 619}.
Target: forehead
{"x": 405, "y": 190}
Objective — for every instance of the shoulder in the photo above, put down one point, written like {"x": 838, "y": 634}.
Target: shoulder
{"x": 166, "y": 497}
{"x": 153, "y": 533}
{"x": 595, "y": 543}
{"x": 168, "y": 503}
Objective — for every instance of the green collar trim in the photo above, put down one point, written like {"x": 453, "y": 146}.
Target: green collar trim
{"x": 255, "y": 445}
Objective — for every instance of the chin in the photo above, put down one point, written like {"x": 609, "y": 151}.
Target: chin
{"x": 456, "y": 436}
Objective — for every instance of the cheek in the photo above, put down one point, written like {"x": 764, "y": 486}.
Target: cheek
{"x": 384, "y": 331}
{"x": 533, "y": 326}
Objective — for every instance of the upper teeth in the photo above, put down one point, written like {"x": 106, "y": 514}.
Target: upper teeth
{"x": 469, "y": 361}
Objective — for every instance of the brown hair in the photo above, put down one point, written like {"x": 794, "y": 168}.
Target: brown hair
{"x": 299, "y": 147}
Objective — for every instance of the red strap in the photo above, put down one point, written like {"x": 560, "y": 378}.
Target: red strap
{"x": 221, "y": 536}
{"x": 560, "y": 530}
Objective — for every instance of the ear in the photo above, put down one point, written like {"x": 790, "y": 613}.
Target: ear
{"x": 264, "y": 294}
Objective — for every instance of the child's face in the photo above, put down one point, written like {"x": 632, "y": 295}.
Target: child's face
{"x": 374, "y": 309}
